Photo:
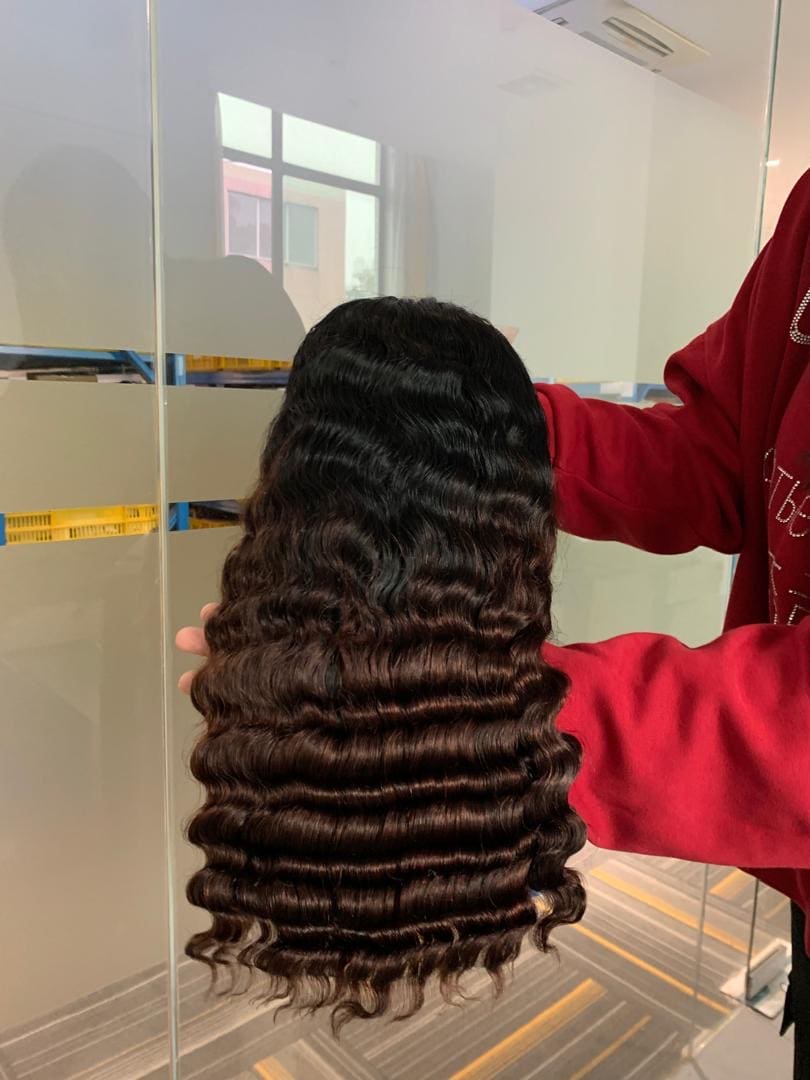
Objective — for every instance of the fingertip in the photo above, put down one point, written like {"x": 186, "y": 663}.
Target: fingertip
{"x": 184, "y": 638}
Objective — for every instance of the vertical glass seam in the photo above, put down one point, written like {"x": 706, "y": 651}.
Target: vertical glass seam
{"x": 277, "y": 198}
{"x": 767, "y": 121}
{"x": 763, "y": 182}
{"x": 694, "y": 1044}
{"x": 163, "y": 543}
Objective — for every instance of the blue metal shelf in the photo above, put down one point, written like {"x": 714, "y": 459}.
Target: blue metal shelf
{"x": 142, "y": 364}
{"x": 18, "y": 357}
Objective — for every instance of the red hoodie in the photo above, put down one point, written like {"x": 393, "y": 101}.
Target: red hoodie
{"x": 704, "y": 754}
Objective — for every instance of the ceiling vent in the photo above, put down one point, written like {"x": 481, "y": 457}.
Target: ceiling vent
{"x": 625, "y": 30}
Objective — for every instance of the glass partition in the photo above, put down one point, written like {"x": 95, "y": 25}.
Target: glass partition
{"x": 477, "y": 151}
{"x": 84, "y": 937}
{"x": 759, "y": 979}
{"x": 523, "y": 163}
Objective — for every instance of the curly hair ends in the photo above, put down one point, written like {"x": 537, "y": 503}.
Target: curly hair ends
{"x": 387, "y": 791}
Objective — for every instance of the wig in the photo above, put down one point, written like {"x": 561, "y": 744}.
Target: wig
{"x": 387, "y": 792}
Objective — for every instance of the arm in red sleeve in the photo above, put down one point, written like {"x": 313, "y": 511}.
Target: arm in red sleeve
{"x": 700, "y": 754}
{"x": 666, "y": 479}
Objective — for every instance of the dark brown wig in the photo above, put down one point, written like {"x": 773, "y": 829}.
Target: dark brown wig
{"x": 386, "y": 786}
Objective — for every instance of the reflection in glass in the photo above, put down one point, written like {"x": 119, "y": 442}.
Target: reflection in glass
{"x": 362, "y": 245}
{"x": 243, "y": 125}
{"x": 330, "y": 246}
{"x": 326, "y": 239}
{"x": 327, "y": 150}
{"x": 301, "y": 235}
{"x": 248, "y": 225}
{"x": 247, "y": 191}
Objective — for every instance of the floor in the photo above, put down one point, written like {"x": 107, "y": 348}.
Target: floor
{"x": 744, "y": 1049}
{"x": 618, "y": 1003}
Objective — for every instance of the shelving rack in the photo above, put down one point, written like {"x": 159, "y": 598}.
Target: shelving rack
{"x": 128, "y": 365}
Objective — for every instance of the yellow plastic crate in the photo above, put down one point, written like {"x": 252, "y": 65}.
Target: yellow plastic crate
{"x": 82, "y": 523}
{"x": 234, "y": 363}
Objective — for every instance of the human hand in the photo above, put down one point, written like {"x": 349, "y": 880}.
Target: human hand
{"x": 191, "y": 640}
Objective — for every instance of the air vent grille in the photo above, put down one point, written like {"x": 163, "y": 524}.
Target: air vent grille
{"x": 624, "y": 30}
{"x": 636, "y": 36}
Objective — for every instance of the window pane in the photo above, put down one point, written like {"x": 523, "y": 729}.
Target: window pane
{"x": 330, "y": 246}
{"x": 301, "y": 235}
{"x": 245, "y": 125}
{"x": 316, "y": 146}
{"x": 265, "y": 231}
{"x": 361, "y": 271}
{"x": 243, "y": 186}
{"x": 242, "y": 210}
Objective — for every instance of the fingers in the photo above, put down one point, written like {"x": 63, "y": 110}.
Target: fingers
{"x": 191, "y": 640}
{"x": 207, "y": 611}
{"x": 185, "y": 681}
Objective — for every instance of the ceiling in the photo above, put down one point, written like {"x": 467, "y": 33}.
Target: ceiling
{"x": 739, "y": 35}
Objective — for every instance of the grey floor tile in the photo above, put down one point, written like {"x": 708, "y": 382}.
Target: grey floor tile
{"x": 748, "y": 1047}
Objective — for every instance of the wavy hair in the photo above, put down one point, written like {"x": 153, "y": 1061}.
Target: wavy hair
{"x": 387, "y": 791}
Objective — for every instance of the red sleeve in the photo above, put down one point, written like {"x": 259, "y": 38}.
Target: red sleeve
{"x": 700, "y": 754}
{"x": 668, "y": 478}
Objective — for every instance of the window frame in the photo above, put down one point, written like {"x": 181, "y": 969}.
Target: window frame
{"x": 279, "y": 169}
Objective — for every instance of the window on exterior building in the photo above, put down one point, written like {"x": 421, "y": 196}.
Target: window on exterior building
{"x": 249, "y": 231}
{"x": 301, "y": 235}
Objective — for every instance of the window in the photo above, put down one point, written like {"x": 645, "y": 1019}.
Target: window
{"x": 249, "y": 225}
{"x": 301, "y": 235}
{"x": 245, "y": 126}
{"x": 305, "y": 199}
{"x": 265, "y": 247}
{"x": 328, "y": 150}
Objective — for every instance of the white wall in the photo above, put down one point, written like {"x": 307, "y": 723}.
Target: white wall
{"x": 700, "y": 227}
{"x": 570, "y": 197}
{"x": 625, "y": 215}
